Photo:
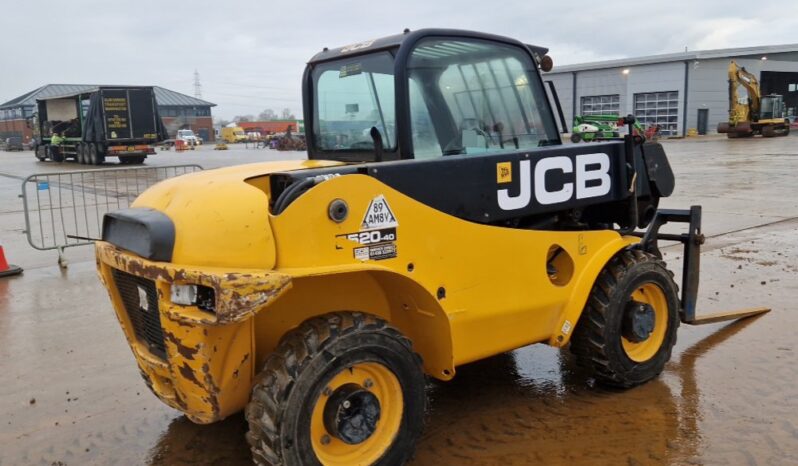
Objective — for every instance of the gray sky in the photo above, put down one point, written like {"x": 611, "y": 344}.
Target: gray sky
{"x": 250, "y": 55}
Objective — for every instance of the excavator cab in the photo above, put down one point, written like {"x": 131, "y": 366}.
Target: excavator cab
{"x": 771, "y": 107}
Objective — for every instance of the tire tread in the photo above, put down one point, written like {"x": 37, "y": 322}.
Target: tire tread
{"x": 297, "y": 348}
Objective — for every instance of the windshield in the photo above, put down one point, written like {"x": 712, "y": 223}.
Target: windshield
{"x": 469, "y": 96}
{"x": 352, "y": 97}
{"x": 185, "y": 132}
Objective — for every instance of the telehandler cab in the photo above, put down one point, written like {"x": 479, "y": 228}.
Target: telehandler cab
{"x": 438, "y": 221}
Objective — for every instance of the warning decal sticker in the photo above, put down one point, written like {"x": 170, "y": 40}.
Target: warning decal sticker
{"x": 376, "y": 252}
{"x": 379, "y": 215}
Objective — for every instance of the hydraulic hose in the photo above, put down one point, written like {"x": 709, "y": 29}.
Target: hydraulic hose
{"x": 291, "y": 193}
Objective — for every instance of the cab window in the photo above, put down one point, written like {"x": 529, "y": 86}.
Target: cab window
{"x": 470, "y": 96}
{"x": 352, "y": 97}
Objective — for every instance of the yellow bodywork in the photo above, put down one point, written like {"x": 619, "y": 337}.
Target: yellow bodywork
{"x": 460, "y": 291}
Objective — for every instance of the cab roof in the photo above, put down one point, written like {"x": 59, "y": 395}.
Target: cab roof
{"x": 396, "y": 41}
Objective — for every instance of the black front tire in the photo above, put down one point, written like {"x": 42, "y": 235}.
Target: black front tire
{"x": 575, "y": 138}
{"x": 297, "y": 373}
{"x": 598, "y": 340}
{"x": 40, "y": 152}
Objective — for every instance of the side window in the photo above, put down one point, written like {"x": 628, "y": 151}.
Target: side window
{"x": 477, "y": 97}
{"x": 352, "y": 98}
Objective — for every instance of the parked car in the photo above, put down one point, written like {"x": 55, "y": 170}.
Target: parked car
{"x": 14, "y": 143}
{"x": 188, "y": 137}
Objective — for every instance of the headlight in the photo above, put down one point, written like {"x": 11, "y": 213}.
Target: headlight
{"x": 194, "y": 295}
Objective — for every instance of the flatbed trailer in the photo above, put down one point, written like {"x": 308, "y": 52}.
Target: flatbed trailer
{"x": 105, "y": 121}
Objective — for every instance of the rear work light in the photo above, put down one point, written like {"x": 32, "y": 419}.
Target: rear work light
{"x": 194, "y": 295}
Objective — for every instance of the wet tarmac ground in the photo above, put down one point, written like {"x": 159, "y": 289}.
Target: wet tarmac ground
{"x": 70, "y": 392}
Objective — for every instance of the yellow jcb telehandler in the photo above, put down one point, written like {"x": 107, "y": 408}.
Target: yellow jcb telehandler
{"x": 439, "y": 220}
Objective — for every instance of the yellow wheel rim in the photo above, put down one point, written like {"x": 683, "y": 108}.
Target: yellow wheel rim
{"x": 380, "y": 381}
{"x": 642, "y": 351}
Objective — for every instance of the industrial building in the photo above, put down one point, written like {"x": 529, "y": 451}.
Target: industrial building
{"x": 178, "y": 111}
{"x": 678, "y": 91}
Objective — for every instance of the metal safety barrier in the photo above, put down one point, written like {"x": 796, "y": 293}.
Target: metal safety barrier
{"x": 65, "y": 209}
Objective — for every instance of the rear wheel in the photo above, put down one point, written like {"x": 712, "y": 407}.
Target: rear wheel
{"x": 132, "y": 160}
{"x": 342, "y": 389}
{"x": 92, "y": 154}
{"x": 575, "y": 138}
{"x": 628, "y": 328}
{"x": 80, "y": 149}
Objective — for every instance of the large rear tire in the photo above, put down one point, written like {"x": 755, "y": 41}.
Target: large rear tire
{"x": 628, "y": 328}
{"x": 344, "y": 388}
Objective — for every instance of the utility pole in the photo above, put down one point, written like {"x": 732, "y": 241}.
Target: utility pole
{"x": 197, "y": 85}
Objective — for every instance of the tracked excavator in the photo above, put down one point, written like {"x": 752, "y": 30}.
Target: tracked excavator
{"x": 751, "y": 113}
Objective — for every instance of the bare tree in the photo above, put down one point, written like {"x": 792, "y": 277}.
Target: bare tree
{"x": 243, "y": 118}
{"x": 267, "y": 115}
{"x": 287, "y": 115}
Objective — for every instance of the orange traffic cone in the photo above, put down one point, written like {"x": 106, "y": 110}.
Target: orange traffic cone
{"x": 5, "y": 269}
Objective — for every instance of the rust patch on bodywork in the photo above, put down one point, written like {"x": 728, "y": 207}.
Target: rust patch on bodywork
{"x": 213, "y": 391}
{"x": 187, "y": 352}
{"x": 238, "y": 295}
{"x": 188, "y": 374}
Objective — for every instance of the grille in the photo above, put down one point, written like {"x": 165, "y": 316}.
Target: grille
{"x": 146, "y": 322}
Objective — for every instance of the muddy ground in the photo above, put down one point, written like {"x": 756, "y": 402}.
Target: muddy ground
{"x": 70, "y": 392}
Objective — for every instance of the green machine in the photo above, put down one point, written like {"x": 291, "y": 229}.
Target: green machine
{"x": 600, "y": 128}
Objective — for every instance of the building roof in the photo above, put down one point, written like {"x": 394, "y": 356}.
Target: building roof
{"x": 165, "y": 97}
{"x": 680, "y": 56}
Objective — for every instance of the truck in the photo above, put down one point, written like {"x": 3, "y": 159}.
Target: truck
{"x": 233, "y": 134}
{"x": 438, "y": 220}
{"x": 104, "y": 121}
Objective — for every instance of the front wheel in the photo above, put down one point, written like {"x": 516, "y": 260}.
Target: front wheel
{"x": 628, "y": 328}
{"x": 342, "y": 389}
{"x": 40, "y": 152}
{"x": 575, "y": 138}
